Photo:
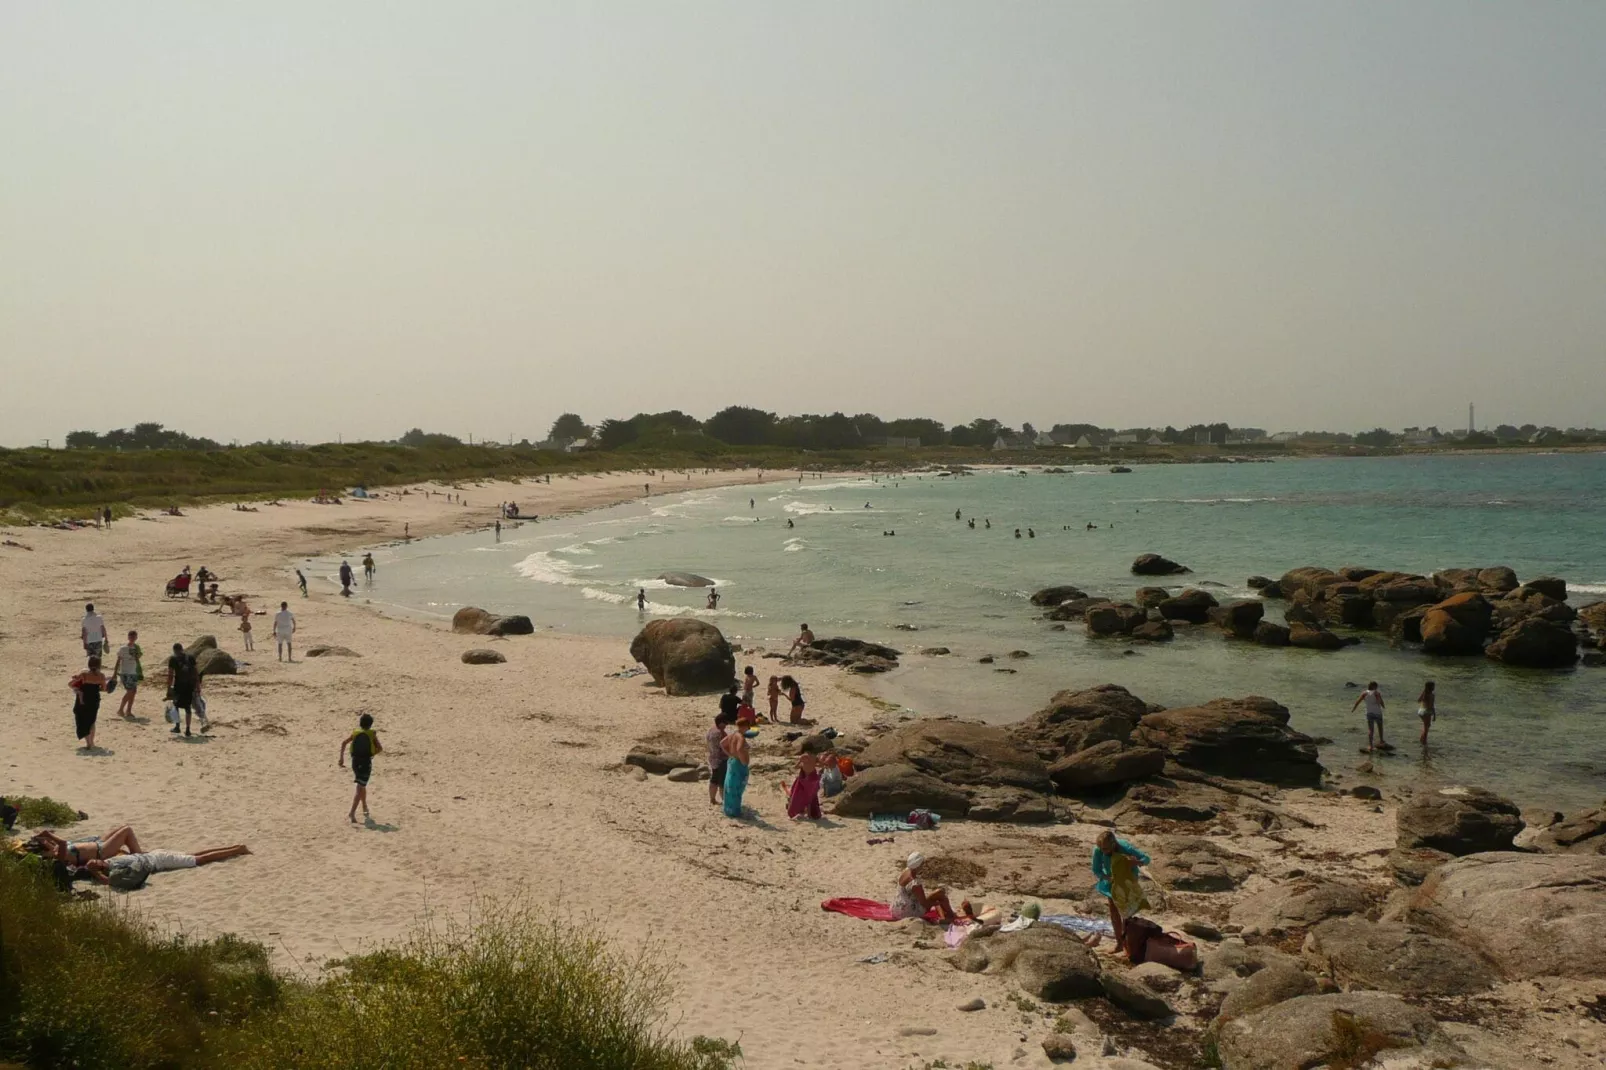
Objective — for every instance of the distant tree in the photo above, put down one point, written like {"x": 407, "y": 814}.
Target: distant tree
{"x": 1479, "y": 438}
{"x": 1506, "y": 432}
{"x": 82, "y": 440}
{"x": 428, "y": 440}
{"x": 984, "y": 431}
{"x": 1072, "y": 432}
{"x": 1376, "y": 437}
{"x": 567, "y": 428}
{"x": 870, "y": 426}
{"x": 739, "y": 425}
{"x": 1171, "y": 434}
{"x": 929, "y": 432}
{"x": 961, "y": 435}
{"x": 611, "y": 434}
{"x": 1028, "y": 431}
{"x": 1528, "y": 429}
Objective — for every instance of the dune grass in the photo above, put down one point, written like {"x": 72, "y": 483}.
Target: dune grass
{"x": 42, "y": 812}
{"x": 85, "y": 982}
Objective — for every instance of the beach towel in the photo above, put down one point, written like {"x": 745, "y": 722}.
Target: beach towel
{"x": 912, "y": 822}
{"x": 1125, "y": 891}
{"x": 735, "y": 785}
{"x": 958, "y": 931}
{"x": 805, "y": 796}
{"x": 870, "y": 909}
{"x": 1077, "y": 923}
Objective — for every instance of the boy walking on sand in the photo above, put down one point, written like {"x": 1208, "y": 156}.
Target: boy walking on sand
{"x": 1374, "y": 713}
{"x": 364, "y": 744}
{"x": 284, "y": 626}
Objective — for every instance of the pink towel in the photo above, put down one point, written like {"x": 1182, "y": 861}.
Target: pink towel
{"x": 805, "y": 797}
{"x": 869, "y": 909}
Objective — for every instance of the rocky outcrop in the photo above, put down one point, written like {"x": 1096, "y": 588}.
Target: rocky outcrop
{"x": 961, "y": 754}
{"x": 1104, "y": 764}
{"x": 1327, "y": 1030}
{"x": 1198, "y": 864}
{"x": 1153, "y": 631}
{"x": 1392, "y": 957}
{"x": 1305, "y": 581}
{"x": 471, "y": 620}
{"x": 1155, "y": 565}
{"x": 1458, "y": 821}
{"x": 1594, "y": 615}
{"x": 1266, "y": 987}
{"x": 1583, "y": 833}
{"x": 1247, "y": 738}
{"x": 1240, "y": 619}
{"x": 1311, "y": 636}
{"x": 1046, "y": 961}
{"x": 1258, "y": 583}
{"x": 854, "y": 655}
{"x": 1268, "y": 633}
{"x": 1192, "y": 605}
{"x": 1531, "y": 915}
{"x": 685, "y": 656}
{"x": 1073, "y": 720}
{"x": 1150, "y": 597}
{"x": 1535, "y": 643}
{"x": 1411, "y": 865}
{"x": 481, "y": 656}
{"x": 685, "y": 579}
{"x": 1300, "y": 905}
{"x": 1549, "y": 586}
{"x": 1074, "y": 609}
{"x": 1113, "y": 618}
{"x": 215, "y": 662}
{"x": 893, "y": 789}
{"x": 1457, "y": 626}
{"x": 1131, "y": 995}
{"x": 1053, "y": 596}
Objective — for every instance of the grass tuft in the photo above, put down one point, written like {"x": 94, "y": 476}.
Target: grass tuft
{"x": 43, "y": 812}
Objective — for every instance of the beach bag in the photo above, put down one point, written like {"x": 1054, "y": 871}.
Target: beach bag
{"x": 171, "y": 713}
{"x": 831, "y": 781}
{"x": 922, "y": 819}
{"x": 1172, "y": 950}
{"x": 200, "y": 708}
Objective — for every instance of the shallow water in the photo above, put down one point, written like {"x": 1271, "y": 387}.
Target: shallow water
{"x": 1538, "y": 736}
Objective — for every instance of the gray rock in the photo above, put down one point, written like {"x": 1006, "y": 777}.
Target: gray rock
{"x": 1113, "y": 618}
{"x": 1053, "y": 596}
{"x": 1458, "y": 820}
{"x": 1150, "y": 597}
{"x": 1154, "y": 631}
{"x": 1270, "y": 633}
{"x": 1534, "y": 643}
{"x": 687, "y": 774}
{"x": 1192, "y": 605}
{"x": 1247, "y": 738}
{"x": 1157, "y": 976}
{"x": 1201, "y": 929}
{"x": 960, "y": 753}
{"x": 685, "y": 656}
{"x": 1583, "y": 833}
{"x": 1411, "y": 865}
{"x": 481, "y": 656}
{"x": 936, "y": 651}
{"x": 899, "y": 788}
{"x": 1308, "y": 635}
{"x": 1045, "y": 960}
{"x": 685, "y": 579}
{"x": 659, "y": 762}
{"x": 215, "y": 662}
{"x": 1366, "y": 791}
{"x": 1391, "y": 957}
{"x": 1316, "y": 1030}
{"x": 1155, "y": 565}
{"x": 977, "y": 1004}
{"x": 1265, "y": 988}
{"x": 1103, "y": 764}
{"x": 1133, "y": 996}
{"x": 1300, "y": 905}
{"x": 471, "y": 620}
{"x": 1240, "y": 619}
{"x": 1059, "y": 1047}
{"x": 1197, "y": 864}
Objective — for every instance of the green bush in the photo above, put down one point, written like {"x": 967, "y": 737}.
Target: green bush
{"x": 42, "y": 812}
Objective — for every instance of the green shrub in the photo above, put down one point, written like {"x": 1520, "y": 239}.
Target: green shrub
{"x": 43, "y": 812}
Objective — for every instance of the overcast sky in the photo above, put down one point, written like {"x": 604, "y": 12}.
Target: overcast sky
{"x": 303, "y": 220}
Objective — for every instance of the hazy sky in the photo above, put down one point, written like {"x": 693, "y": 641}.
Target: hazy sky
{"x": 298, "y": 220}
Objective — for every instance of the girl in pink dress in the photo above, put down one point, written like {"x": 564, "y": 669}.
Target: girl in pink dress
{"x": 804, "y": 799}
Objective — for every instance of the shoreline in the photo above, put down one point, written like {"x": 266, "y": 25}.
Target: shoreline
{"x": 507, "y": 780}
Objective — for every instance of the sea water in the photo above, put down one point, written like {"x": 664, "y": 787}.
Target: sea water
{"x": 885, "y": 559}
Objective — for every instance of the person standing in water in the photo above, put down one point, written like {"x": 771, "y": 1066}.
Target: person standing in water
{"x": 1374, "y": 713}
{"x": 713, "y": 598}
{"x": 641, "y": 599}
{"x": 368, "y": 567}
{"x": 1427, "y": 708}
{"x": 302, "y": 580}
{"x": 498, "y": 531}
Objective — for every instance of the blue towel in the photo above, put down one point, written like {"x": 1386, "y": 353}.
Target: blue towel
{"x": 900, "y": 823}
{"x": 1076, "y": 923}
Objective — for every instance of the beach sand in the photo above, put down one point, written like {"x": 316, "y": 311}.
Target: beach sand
{"x": 506, "y": 780}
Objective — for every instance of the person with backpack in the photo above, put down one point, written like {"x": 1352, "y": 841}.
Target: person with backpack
{"x": 184, "y": 688}
{"x": 364, "y": 744}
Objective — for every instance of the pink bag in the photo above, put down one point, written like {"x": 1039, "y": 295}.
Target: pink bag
{"x": 1173, "y": 950}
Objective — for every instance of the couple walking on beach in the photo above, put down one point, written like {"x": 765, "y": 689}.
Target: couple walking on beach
{"x": 1426, "y": 710}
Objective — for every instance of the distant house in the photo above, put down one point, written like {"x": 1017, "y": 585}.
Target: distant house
{"x": 1014, "y": 442}
{"x": 1044, "y": 440}
{"x": 1201, "y": 438}
{"x": 894, "y": 442}
{"x": 1089, "y": 442}
{"x": 1154, "y": 440}
{"x": 577, "y": 445}
{"x": 1286, "y": 436}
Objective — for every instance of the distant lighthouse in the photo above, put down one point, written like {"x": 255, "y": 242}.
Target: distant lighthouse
{"x": 1472, "y": 423}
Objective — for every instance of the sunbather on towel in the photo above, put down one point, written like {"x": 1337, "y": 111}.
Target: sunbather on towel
{"x": 914, "y": 899}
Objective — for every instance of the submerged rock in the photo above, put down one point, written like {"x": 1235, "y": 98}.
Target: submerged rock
{"x": 1155, "y": 565}
{"x": 685, "y": 579}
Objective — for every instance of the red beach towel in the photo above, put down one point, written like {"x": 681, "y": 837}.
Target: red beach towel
{"x": 869, "y": 909}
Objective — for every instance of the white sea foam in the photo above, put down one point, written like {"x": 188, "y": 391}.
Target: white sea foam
{"x": 743, "y": 519}
{"x": 1586, "y": 588}
{"x": 836, "y": 486}
{"x": 576, "y": 548}
{"x": 660, "y": 609}
{"x": 542, "y": 567}
{"x": 805, "y": 509}
{"x": 794, "y": 546}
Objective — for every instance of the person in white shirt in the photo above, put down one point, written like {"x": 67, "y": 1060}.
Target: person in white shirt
{"x": 1374, "y": 713}
{"x": 129, "y": 672}
{"x": 93, "y": 632}
{"x": 284, "y": 626}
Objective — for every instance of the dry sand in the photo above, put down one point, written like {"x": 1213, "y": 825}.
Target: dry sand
{"x": 500, "y": 780}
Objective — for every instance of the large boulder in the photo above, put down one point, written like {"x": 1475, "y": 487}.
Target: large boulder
{"x": 204, "y": 643}
{"x": 1535, "y": 643}
{"x": 1305, "y": 581}
{"x": 1349, "y": 609}
{"x": 1497, "y": 579}
{"x": 1198, "y": 864}
{"x": 1594, "y": 615}
{"x": 1403, "y": 627}
{"x": 685, "y": 579}
{"x": 1312, "y": 636}
{"x": 1103, "y": 764}
{"x": 1300, "y": 905}
{"x": 1192, "y": 605}
{"x": 1270, "y": 633}
{"x": 685, "y": 656}
{"x": 1150, "y": 597}
{"x": 854, "y": 655}
{"x": 1345, "y": 1029}
{"x": 1073, "y": 609}
{"x": 1247, "y": 738}
{"x": 1392, "y": 957}
{"x": 1074, "y": 720}
{"x": 1045, "y": 960}
{"x": 1583, "y": 833}
{"x": 1266, "y": 987}
{"x": 1531, "y": 915}
{"x": 1127, "y": 992}
{"x": 1411, "y": 865}
{"x": 1153, "y": 631}
{"x": 1155, "y": 565}
{"x": 471, "y": 620}
{"x": 1457, "y": 626}
{"x": 960, "y": 753}
{"x": 1113, "y": 618}
{"x": 1549, "y": 586}
{"x": 1458, "y": 821}
{"x": 1240, "y": 619}
{"x": 1259, "y": 583}
{"x": 898, "y": 789}
{"x": 215, "y": 662}
{"x": 1524, "y": 604}
{"x": 1053, "y": 596}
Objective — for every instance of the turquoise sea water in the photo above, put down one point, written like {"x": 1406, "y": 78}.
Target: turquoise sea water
{"x": 1538, "y": 736}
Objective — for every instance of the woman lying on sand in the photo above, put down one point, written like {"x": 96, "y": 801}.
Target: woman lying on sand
{"x": 118, "y": 841}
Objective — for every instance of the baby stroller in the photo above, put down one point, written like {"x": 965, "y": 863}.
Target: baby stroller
{"x": 179, "y": 586}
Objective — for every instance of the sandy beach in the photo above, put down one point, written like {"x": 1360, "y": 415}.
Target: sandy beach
{"x": 507, "y": 779}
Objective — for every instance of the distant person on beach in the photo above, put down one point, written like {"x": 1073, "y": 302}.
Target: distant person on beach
{"x": 713, "y": 598}
{"x": 751, "y": 504}
{"x": 1374, "y": 713}
{"x": 92, "y": 630}
{"x": 130, "y": 871}
{"x": 804, "y": 640}
{"x": 1017, "y": 533}
{"x": 129, "y": 673}
{"x": 183, "y": 686}
{"x": 1427, "y": 708}
{"x": 731, "y": 702}
{"x": 106, "y": 514}
{"x": 716, "y": 754}
{"x": 245, "y": 626}
{"x": 790, "y": 524}
{"x": 87, "y": 687}
{"x": 774, "y": 695}
{"x": 368, "y": 566}
{"x": 956, "y": 514}
{"x": 749, "y": 685}
{"x": 407, "y": 530}
{"x": 1030, "y": 534}
{"x": 646, "y": 489}
{"x": 498, "y": 531}
{"x": 284, "y": 629}
{"x": 364, "y": 744}
{"x": 346, "y": 578}
{"x": 302, "y": 581}
{"x": 913, "y": 900}
{"x": 739, "y": 755}
{"x": 803, "y": 796}
{"x": 641, "y": 599}
{"x": 794, "y": 695}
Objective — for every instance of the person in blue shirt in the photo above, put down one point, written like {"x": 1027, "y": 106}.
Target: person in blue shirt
{"x": 1115, "y": 865}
